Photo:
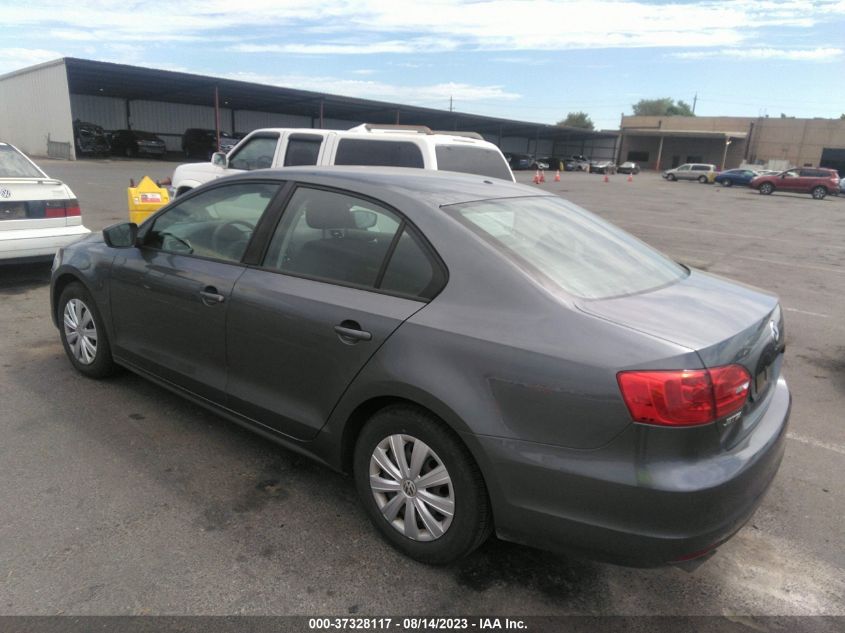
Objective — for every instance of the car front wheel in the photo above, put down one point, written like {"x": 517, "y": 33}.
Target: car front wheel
{"x": 766, "y": 188}
{"x": 727, "y": 183}
{"x": 819, "y": 192}
{"x": 420, "y": 486}
{"x": 83, "y": 335}
{"x": 671, "y": 177}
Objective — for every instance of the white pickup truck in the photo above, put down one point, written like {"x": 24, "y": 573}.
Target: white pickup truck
{"x": 367, "y": 144}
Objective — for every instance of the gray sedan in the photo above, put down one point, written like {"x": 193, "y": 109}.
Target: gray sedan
{"x": 481, "y": 356}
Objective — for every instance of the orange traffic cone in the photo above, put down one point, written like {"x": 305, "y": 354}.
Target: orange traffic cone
{"x": 630, "y": 178}
{"x": 557, "y": 176}
{"x": 536, "y": 179}
{"x": 606, "y": 179}
{"x": 542, "y": 176}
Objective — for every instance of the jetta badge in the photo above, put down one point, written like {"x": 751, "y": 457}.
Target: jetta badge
{"x": 775, "y": 331}
{"x": 5, "y": 193}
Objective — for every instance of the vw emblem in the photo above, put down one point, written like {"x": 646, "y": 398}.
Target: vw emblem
{"x": 5, "y": 193}
{"x": 409, "y": 488}
{"x": 775, "y": 331}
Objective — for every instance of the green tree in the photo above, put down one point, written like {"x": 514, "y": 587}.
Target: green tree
{"x": 577, "y": 119}
{"x": 662, "y": 107}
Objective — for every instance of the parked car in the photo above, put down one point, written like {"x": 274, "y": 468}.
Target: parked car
{"x": 38, "y": 214}
{"x": 541, "y": 162}
{"x": 733, "y": 177}
{"x": 629, "y": 167}
{"x": 602, "y": 166}
{"x": 817, "y": 181}
{"x": 521, "y": 161}
{"x": 581, "y": 163}
{"x": 702, "y": 172}
{"x": 133, "y": 143}
{"x": 478, "y": 354}
{"x": 203, "y": 142}
{"x": 90, "y": 138}
{"x": 369, "y": 144}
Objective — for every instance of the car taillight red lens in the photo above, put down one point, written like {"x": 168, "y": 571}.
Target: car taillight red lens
{"x": 61, "y": 208}
{"x": 685, "y": 397}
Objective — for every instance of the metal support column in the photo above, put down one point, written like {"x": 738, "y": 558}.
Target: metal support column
{"x": 659, "y": 154}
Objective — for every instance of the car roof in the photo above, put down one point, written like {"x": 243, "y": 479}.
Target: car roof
{"x": 436, "y": 187}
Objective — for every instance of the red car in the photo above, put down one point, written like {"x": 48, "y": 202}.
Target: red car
{"x": 817, "y": 181}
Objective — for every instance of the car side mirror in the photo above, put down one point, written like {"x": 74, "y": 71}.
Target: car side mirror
{"x": 364, "y": 219}
{"x": 123, "y": 235}
{"x": 220, "y": 159}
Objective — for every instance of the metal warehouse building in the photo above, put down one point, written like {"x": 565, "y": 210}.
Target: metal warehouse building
{"x": 727, "y": 142}
{"x": 39, "y": 104}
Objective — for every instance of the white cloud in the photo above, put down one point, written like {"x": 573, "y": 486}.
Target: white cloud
{"x": 387, "y": 26}
{"x": 810, "y": 54}
{"x": 15, "y": 58}
{"x": 432, "y": 93}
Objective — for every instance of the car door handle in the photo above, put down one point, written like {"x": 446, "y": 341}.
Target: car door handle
{"x": 210, "y": 296}
{"x": 350, "y": 332}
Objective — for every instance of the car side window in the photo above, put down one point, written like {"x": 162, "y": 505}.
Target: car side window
{"x": 386, "y": 153}
{"x": 217, "y": 223}
{"x": 683, "y": 168}
{"x": 333, "y": 237}
{"x": 303, "y": 149}
{"x": 790, "y": 174}
{"x": 411, "y": 271}
{"x": 257, "y": 153}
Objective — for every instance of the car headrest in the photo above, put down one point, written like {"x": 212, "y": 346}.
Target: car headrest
{"x": 329, "y": 212}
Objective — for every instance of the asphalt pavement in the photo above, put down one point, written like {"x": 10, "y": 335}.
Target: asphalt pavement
{"x": 117, "y": 497}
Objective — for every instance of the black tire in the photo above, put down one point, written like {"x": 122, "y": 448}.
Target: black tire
{"x": 727, "y": 183}
{"x": 702, "y": 180}
{"x": 102, "y": 365}
{"x": 471, "y": 523}
{"x": 766, "y": 188}
{"x": 130, "y": 152}
{"x": 819, "y": 192}
{"x": 671, "y": 177}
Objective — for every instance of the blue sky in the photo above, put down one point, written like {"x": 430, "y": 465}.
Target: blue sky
{"x": 533, "y": 61}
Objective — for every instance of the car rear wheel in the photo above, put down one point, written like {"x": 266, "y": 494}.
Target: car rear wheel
{"x": 420, "y": 486}
{"x": 766, "y": 188}
{"x": 671, "y": 177}
{"x": 819, "y": 192}
{"x": 83, "y": 335}
{"x": 702, "y": 179}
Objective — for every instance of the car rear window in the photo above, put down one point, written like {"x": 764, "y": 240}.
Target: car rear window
{"x": 558, "y": 242}
{"x": 379, "y": 153}
{"x": 13, "y": 164}
{"x": 472, "y": 160}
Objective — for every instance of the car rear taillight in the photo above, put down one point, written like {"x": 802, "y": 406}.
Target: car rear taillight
{"x": 686, "y": 397}
{"x": 61, "y": 208}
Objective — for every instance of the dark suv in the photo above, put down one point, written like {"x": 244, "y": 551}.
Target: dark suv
{"x": 203, "y": 143}
{"x": 817, "y": 181}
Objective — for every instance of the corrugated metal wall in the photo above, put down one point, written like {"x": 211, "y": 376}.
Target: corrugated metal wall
{"x": 248, "y": 120}
{"x": 35, "y": 106}
{"x": 170, "y": 120}
{"x": 107, "y": 112}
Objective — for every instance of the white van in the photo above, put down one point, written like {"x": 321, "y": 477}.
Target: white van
{"x": 367, "y": 144}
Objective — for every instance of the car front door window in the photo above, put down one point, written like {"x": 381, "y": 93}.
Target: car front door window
{"x": 257, "y": 153}
{"x": 217, "y": 223}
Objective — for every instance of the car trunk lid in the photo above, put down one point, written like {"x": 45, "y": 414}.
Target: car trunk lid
{"x": 31, "y": 203}
{"x": 723, "y": 321}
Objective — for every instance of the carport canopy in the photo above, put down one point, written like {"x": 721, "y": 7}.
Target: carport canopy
{"x": 88, "y": 77}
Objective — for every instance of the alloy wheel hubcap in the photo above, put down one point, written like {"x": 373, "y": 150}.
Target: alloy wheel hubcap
{"x": 412, "y": 487}
{"x": 80, "y": 331}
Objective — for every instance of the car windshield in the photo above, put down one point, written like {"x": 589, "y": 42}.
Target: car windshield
{"x": 554, "y": 240}
{"x": 13, "y": 164}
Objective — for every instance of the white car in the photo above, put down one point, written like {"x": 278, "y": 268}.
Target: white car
{"x": 367, "y": 144}
{"x": 38, "y": 214}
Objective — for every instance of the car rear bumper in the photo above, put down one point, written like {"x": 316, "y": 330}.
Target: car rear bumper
{"x": 623, "y": 504}
{"x": 25, "y": 244}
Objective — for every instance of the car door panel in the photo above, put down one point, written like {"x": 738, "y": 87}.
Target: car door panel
{"x": 288, "y": 365}
{"x": 163, "y": 325}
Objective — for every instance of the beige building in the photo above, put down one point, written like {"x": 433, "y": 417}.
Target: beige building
{"x": 662, "y": 142}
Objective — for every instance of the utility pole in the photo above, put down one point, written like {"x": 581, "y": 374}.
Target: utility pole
{"x": 450, "y": 103}
{"x": 694, "y": 100}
